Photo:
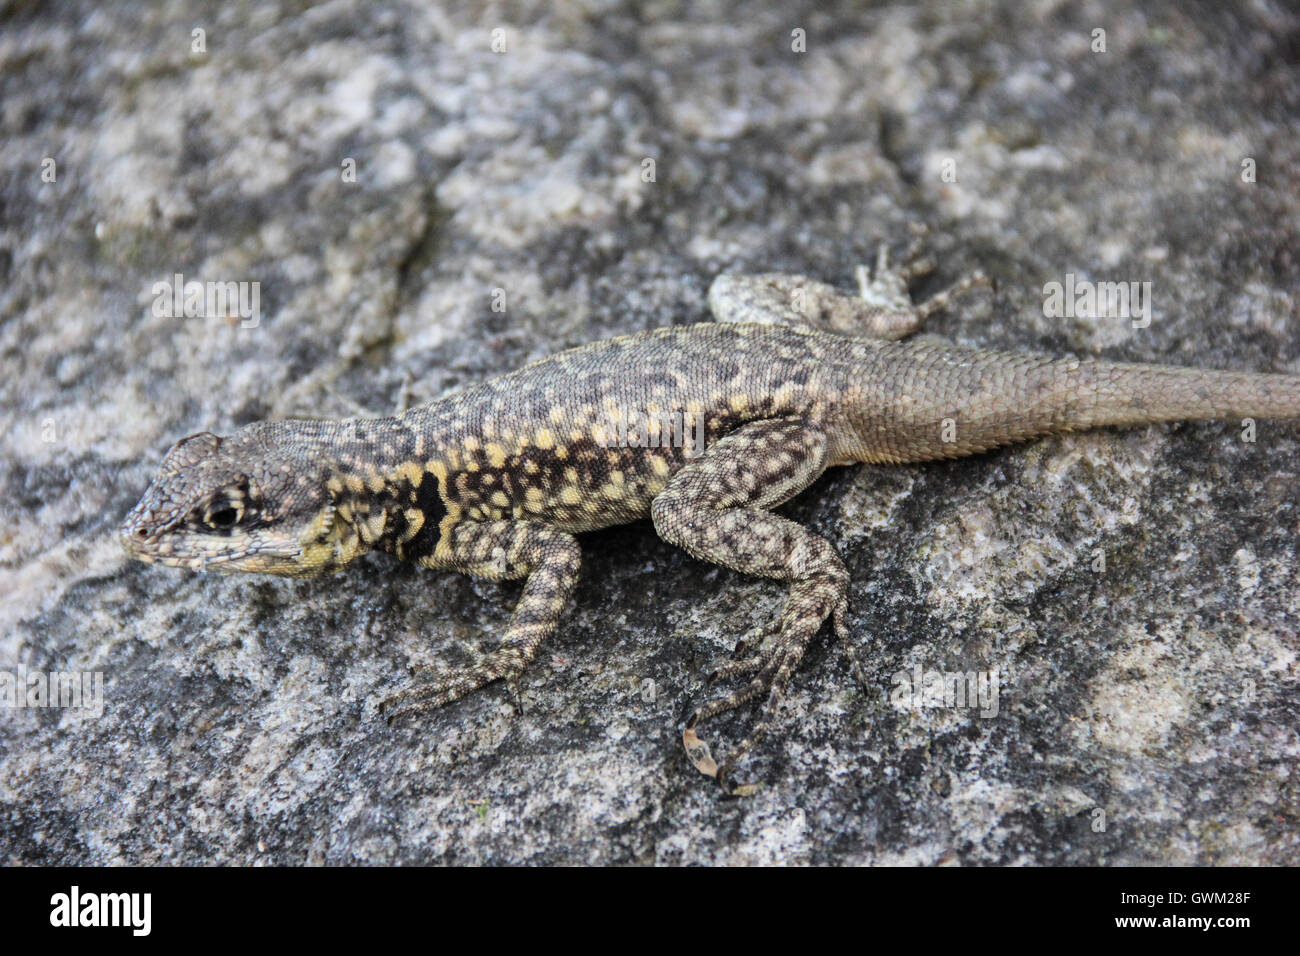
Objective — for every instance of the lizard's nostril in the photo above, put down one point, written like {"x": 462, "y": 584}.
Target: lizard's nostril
{"x": 132, "y": 535}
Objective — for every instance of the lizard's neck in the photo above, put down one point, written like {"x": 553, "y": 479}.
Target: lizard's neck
{"x": 384, "y": 492}
{"x": 361, "y": 484}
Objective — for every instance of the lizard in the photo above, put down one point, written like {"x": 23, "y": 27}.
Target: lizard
{"x": 704, "y": 429}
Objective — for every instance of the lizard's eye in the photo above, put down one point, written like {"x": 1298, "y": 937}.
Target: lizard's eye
{"x": 223, "y": 518}
{"x": 231, "y": 506}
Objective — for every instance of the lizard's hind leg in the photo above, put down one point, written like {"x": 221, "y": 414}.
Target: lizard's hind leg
{"x": 777, "y": 298}
{"x": 716, "y": 509}
{"x": 881, "y": 309}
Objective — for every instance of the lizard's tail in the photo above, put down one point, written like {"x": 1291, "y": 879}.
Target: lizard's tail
{"x": 950, "y": 402}
{"x": 1128, "y": 394}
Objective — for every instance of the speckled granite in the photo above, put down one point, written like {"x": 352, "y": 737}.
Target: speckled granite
{"x": 1147, "y": 712}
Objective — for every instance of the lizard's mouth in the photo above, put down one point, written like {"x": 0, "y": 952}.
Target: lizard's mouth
{"x": 171, "y": 549}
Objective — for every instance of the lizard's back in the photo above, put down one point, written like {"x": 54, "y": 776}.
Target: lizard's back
{"x": 587, "y": 437}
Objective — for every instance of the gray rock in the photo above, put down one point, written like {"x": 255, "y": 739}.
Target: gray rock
{"x": 1146, "y": 713}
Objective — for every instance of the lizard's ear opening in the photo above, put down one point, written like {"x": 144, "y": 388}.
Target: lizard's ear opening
{"x": 189, "y": 451}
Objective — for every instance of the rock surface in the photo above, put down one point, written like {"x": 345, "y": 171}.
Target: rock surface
{"x": 1147, "y": 712}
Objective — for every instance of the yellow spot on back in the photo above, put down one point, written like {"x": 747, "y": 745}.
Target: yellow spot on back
{"x": 412, "y": 472}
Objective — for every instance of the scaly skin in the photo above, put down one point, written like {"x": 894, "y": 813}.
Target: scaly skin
{"x": 495, "y": 481}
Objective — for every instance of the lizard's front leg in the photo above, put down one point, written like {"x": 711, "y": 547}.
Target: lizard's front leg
{"x": 502, "y": 550}
{"x": 716, "y": 509}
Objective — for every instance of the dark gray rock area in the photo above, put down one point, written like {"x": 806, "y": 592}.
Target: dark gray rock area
{"x": 1147, "y": 713}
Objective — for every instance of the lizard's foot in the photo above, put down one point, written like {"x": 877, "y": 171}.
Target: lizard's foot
{"x": 811, "y": 601}
{"x": 885, "y": 287}
{"x": 915, "y": 263}
{"x": 506, "y": 663}
{"x": 942, "y": 300}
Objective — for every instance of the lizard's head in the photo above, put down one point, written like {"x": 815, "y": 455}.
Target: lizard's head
{"x": 242, "y": 503}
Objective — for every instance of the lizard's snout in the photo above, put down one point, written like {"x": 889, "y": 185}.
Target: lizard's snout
{"x": 132, "y": 534}
{"x": 134, "y": 531}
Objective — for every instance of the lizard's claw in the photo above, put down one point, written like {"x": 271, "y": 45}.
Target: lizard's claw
{"x": 698, "y": 752}
{"x": 770, "y": 669}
